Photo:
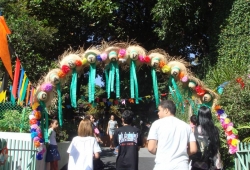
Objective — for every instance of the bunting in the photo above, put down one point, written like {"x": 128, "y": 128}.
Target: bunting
{"x": 16, "y": 77}
{"x": 4, "y": 49}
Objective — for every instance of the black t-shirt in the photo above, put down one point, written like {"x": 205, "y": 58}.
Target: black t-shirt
{"x": 128, "y": 139}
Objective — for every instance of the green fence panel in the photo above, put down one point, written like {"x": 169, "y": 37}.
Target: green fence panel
{"x": 242, "y": 157}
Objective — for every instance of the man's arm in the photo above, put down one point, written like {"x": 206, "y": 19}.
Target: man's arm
{"x": 192, "y": 148}
{"x": 152, "y": 146}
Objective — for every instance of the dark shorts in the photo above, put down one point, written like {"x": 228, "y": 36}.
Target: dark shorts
{"x": 52, "y": 153}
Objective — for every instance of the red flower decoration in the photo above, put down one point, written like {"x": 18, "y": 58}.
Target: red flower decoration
{"x": 40, "y": 135}
{"x": 65, "y": 69}
{"x": 78, "y": 62}
{"x": 240, "y": 81}
{"x": 200, "y": 91}
{"x": 37, "y": 115}
{"x": 229, "y": 141}
{"x": 147, "y": 59}
{"x": 33, "y": 121}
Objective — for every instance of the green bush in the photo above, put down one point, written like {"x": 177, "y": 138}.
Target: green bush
{"x": 13, "y": 121}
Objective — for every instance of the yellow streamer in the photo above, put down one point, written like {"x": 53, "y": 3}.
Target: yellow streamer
{"x": 2, "y": 96}
{"x": 21, "y": 91}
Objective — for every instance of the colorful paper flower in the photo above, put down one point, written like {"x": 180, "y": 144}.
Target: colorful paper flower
{"x": 84, "y": 61}
{"x": 165, "y": 69}
{"x": 65, "y": 69}
{"x": 61, "y": 74}
{"x": 78, "y": 63}
{"x": 47, "y": 87}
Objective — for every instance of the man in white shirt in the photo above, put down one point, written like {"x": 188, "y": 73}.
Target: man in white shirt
{"x": 170, "y": 139}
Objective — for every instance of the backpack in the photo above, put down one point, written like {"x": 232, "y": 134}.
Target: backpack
{"x": 202, "y": 158}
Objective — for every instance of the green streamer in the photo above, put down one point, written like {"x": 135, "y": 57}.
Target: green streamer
{"x": 107, "y": 79}
{"x": 45, "y": 128}
{"x": 24, "y": 89}
{"x": 112, "y": 69}
{"x": 155, "y": 86}
{"x": 176, "y": 93}
{"x": 135, "y": 83}
{"x": 132, "y": 90}
{"x": 117, "y": 80}
{"x": 73, "y": 88}
{"x": 58, "y": 89}
{"x": 92, "y": 75}
{"x": 23, "y": 114}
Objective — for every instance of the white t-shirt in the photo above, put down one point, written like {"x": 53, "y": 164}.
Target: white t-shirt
{"x": 173, "y": 136}
{"x": 81, "y": 152}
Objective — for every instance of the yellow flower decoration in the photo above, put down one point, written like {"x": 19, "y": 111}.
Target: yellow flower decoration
{"x": 35, "y": 105}
{"x": 84, "y": 61}
{"x": 227, "y": 120}
{"x": 165, "y": 69}
{"x": 234, "y": 142}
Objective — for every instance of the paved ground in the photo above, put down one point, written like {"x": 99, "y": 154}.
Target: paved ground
{"x": 146, "y": 160}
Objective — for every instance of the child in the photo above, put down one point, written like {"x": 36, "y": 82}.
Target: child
{"x": 83, "y": 148}
{"x": 52, "y": 155}
{"x": 193, "y": 122}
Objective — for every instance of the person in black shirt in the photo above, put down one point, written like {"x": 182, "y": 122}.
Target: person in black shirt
{"x": 128, "y": 139}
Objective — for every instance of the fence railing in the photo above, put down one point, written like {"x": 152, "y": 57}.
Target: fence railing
{"x": 21, "y": 153}
{"x": 242, "y": 158}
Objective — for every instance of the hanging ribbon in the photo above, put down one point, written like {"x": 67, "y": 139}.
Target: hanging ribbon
{"x": 16, "y": 77}
{"x": 73, "y": 88}
{"x": 45, "y": 117}
{"x": 58, "y": 89}
{"x": 92, "y": 75}
{"x": 117, "y": 80}
{"x": 20, "y": 82}
{"x": 176, "y": 93}
{"x": 12, "y": 99}
{"x": 112, "y": 70}
{"x": 31, "y": 96}
{"x": 107, "y": 81}
{"x": 27, "y": 95}
{"x": 155, "y": 86}
{"x": 133, "y": 82}
{"x": 24, "y": 89}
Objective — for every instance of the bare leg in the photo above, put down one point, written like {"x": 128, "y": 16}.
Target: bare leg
{"x": 111, "y": 141}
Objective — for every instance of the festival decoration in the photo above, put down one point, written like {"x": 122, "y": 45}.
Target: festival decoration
{"x": 110, "y": 57}
{"x": 230, "y": 132}
{"x": 4, "y": 50}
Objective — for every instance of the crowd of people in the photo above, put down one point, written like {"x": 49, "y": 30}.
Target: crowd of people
{"x": 176, "y": 144}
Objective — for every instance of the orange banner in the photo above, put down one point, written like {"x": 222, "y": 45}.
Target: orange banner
{"x": 4, "y": 50}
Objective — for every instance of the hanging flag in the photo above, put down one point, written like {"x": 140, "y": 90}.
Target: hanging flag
{"x": 31, "y": 96}
{"x": 27, "y": 95}
{"x": 4, "y": 83}
{"x": 16, "y": 77}
{"x": 20, "y": 82}
{"x": 2, "y": 96}
{"x": 4, "y": 49}
{"x": 22, "y": 88}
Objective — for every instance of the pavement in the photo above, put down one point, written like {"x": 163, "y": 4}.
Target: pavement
{"x": 146, "y": 159}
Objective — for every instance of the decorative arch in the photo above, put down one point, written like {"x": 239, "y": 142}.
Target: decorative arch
{"x": 111, "y": 57}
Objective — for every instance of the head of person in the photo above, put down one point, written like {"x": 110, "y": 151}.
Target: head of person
{"x": 166, "y": 108}
{"x": 204, "y": 115}
{"x": 90, "y": 117}
{"x": 85, "y": 128}
{"x": 127, "y": 117}
{"x": 112, "y": 117}
{"x": 193, "y": 119}
{"x": 53, "y": 123}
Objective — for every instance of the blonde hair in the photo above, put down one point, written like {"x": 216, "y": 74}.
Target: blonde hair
{"x": 85, "y": 128}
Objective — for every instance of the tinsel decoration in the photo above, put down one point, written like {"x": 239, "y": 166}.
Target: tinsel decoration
{"x": 73, "y": 87}
{"x": 59, "y": 94}
{"x": 155, "y": 86}
{"x": 134, "y": 93}
{"x": 92, "y": 74}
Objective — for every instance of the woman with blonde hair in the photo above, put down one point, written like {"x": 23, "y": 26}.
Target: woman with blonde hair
{"x": 83, "y": 148}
